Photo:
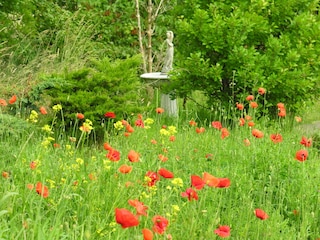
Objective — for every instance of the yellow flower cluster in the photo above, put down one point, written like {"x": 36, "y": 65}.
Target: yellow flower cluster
{"x": 168, "y": 132}
{"x": 47, "y": 141}
{"x": 46, "y": 128}
{"x": 86, "y": 126}
{"x": 33, "y": 117}
{"x": 118, "y": 125}
{"x": 57, "y": 108}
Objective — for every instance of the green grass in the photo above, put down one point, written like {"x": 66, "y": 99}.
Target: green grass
{"x": 85, "y": 187}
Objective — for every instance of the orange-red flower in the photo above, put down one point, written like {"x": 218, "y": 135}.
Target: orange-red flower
{"x": 110, "y": 115}
{"x": 280, "y": 106}
{"x": 3, "y": 102}
{"x": 257, "y": 133}
{"x": 13, "y": 99}
{"x": 276, "y": 138}
{"x": 261, "y": 91}
{"x": 162, "y": 158}
{"x": 197, "y": 182}
{"x": 172, "y": 138}
{"x": 246, "y": 142}
{"x": 80, "y": 116}
{"x": 126, "y": 134}
{"x": 298, "y": 119}
{"x": 248, "y": 118}
{"x": 139, "y": 206}
{"x": 159, "y": 110}
{"x": 223, "y": 183}
{"x": 153, "y": 141}
{"x": 306, "y": 142}
{"x": 200, "y": 130}
{"x": 242, "y": 121}
{"x": 125, "y": 169}
{"x": 113, "y": 155}
{"x": 210, "y": 180}
{"x": 139, "y": 123}
{"x": 159, "y": 224}
{"x": 250, "y": 98}
{"x": 192, "y": 123}
{"x": 216, "y": 125}
{"x": 261, "y": 214}
{"x": 42, "y": 190}
{"x": 147, "y": 234}
{"x": 302, "y": 155}
{"x": 240, "y": 106}
{"x": 43, "y": 111}
{"x": 253, "y": 104}
{"x": 224, "y": 133}
{"x": 133, "y": 156}
{"x": 129, "y": 128}
{"x": 223, "y": 231}
{"x": 126, "y": 218}
{"x": 153, "y": 177}
{"x": 282, "y": 113}
{"x": 107, "y": 146}
{"x": 165, "y": 173}
{"x": 5, "y": 174}
{"x": 251, "y": 123}
{"x": 190, "y": 193}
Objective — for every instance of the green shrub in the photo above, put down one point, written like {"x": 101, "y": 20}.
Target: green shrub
{"x": 102, "y": 87}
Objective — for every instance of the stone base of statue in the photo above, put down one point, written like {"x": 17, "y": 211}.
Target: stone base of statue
{"x": 156, "y": 79}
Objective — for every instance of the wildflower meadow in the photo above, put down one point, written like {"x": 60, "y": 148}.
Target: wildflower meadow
{"x": 156, "y": 177}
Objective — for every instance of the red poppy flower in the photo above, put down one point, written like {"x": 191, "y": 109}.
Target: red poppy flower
{"x": 125, "y": 169}
{"x": 33, "y": 165}
{"x": 172, "y": 138}
{"x": 251, "y": 123}
{"x": 139, "y": 206}
{"x": 210, "y": 180}
{"x": 240, "y": 106}
{"x": 250, "y": 98}
{"x": 306, "y": 142}
{"x": 216, "y": 125}
{"x": 261, "y": 91}
{"x": 253, "y": 104}
{"x": 224, "y": 133}
{"x": 246, "y": 142}
{"x": 280, "y": 106}
{"x": 159, "y": 110}
{"x": 43, "y": 111}
{"x": 139, "y": 123}
{"x": 165, "y": 173}
{"x": 126, "y": 134}
{"x": 302, "y": 155}
{"x": 5, "y": 174}
{"x": 190, "y": 193}
{"x": 110, "y": 115}
{"x": 276, "y": 138}
{"x": 129, "y": 128}
{"x": 257, "y": 133}
{"x": 197, "y": 182}
{"x": 42, "y": 190}
{"x": 126, "y": 218}
{"x": 13, "y": 99}
{"x": 153, "y": 178}
{"x": 113, "y": 155}
{"x": 147, "y": 234}
{"x": 223, "y": 231}
{"x": 159, "y": 224}
{"x": 192, "y": 123}
{"x": 261, "y": 214}
{"x": 107, "y": 146}
{"x": 242, "y": 121}
{"x": 200, "y": 130}
{"x": 3, "y": 102}
{"x": 282, "y": 113}
{"x": 223, "y": 183}
{"x": 133, "y": 156}
{"x": 162, "y": 158}
{"x": 153, "y": 141}
{"x": 80, "y": 116}
{"x": 248, "y": 118}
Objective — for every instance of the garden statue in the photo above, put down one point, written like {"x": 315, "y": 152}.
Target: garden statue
{"x": 167, "y": 66}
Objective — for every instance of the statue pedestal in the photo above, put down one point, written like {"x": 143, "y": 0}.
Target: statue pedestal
{"x": 155, "y": 79}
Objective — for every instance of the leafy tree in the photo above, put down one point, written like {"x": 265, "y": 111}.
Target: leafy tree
{"x": 228, "y": 49}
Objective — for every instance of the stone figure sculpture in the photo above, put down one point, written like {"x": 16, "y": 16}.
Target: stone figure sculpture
{"x": 167, "y": 65}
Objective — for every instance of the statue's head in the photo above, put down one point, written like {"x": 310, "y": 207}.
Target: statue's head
{"x": 170, "y": 35}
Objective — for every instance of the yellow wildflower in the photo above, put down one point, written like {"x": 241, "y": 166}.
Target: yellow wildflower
{"x": 57, "y": 107}
{"x": 118, "y": 125}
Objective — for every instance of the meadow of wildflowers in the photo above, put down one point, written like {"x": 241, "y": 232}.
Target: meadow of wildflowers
{"x": 159, "y": 179}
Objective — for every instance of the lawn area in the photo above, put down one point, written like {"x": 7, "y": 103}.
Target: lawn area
{"x": 157, "y": 176}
